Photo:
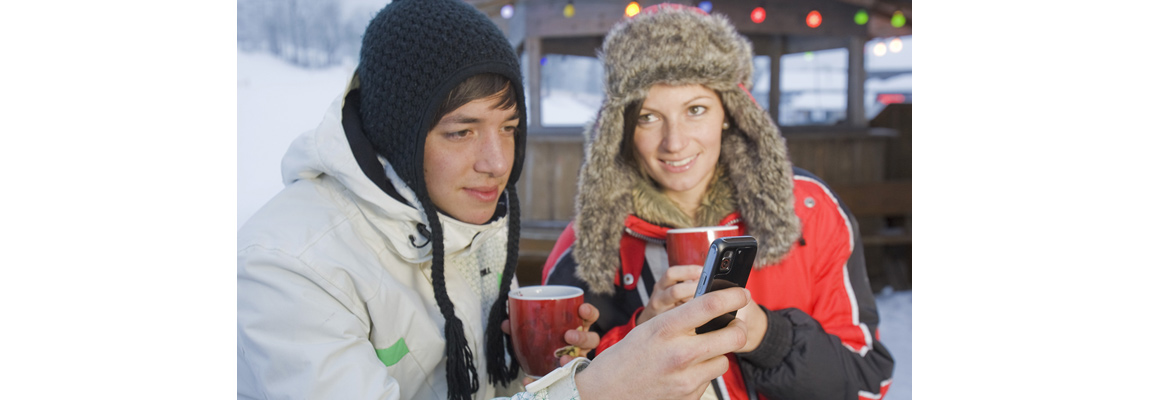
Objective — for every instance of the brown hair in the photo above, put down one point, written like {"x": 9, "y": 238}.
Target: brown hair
{"x": 630, "y": 120}
{"x": 479, "y": 86}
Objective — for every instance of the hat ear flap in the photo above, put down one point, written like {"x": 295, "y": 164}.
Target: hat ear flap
{"x": 760, "y": 171}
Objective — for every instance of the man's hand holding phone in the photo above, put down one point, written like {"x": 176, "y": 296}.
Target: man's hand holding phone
{"x": 728, "y": 264}
{"x": 664, "y": 358}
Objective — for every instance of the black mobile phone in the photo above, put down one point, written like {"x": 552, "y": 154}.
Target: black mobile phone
{"x": 729, "y": 262}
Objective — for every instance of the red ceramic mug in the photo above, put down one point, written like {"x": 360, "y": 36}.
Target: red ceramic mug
{"x": 688, "y": 246}
{"x": 540, "y": 315}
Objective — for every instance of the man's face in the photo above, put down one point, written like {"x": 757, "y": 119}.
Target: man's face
{"x": 467, "y": 159}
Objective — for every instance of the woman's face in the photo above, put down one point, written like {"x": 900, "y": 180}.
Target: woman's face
{"x": 677, "y": 139}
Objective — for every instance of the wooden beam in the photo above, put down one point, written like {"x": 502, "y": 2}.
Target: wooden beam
{"x": 776, "y": 93}
{"x": 882, "y": 7}
{"x": 576, "y": 46}
{"x": 788, "y": 17}
{"x": 490, "y": 7}
{"x": 592, "y": 18}
{"x": 802, "y": 44}
{"x": 856, "y": 77}
{"x": 889, "y": 198}
{"x": 534, "y": 48}
{"x": 879, "y": 26}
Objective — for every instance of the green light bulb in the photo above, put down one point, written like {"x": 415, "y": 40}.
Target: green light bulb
{"x": 897, "y": 20}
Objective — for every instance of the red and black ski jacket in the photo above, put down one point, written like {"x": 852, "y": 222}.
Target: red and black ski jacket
{"x": 822, "y": 340}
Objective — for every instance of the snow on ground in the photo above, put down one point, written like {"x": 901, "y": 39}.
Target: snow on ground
{"x": 277, "y": 102}
{"x": 894, "y": 313}
{"x": 566, "y": 108}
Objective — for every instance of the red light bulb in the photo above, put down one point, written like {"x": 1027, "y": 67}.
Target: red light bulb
{"x": 814, "y": 19}
{"x": 758, "y": 15}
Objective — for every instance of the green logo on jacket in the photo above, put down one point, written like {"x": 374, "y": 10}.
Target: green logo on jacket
{"x": 391, "y": 355}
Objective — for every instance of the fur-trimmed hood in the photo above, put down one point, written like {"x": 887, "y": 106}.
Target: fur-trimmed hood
{"x": 680, "y": 45}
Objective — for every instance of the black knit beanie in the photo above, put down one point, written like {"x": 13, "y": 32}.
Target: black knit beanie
{"x": 414, "y": 53}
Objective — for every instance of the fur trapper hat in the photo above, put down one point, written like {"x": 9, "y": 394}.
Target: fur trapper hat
{"x": 679, "y": 45}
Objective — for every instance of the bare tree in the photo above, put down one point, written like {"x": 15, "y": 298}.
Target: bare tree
{"x": 308, "y": 33}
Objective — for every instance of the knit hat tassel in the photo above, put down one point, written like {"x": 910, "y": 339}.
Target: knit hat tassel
{"x": 498, "y": 342}
{"x": 462, "y": 380}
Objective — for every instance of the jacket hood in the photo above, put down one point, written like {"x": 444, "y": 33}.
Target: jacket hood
{"x": 680, "y": 45}
{"x": 414, "y": 53}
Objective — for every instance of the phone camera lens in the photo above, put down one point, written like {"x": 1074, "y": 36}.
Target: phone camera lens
{"x": 725, "y": 265}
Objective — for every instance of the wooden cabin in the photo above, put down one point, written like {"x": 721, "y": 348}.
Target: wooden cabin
{"x": 867, "y": 162}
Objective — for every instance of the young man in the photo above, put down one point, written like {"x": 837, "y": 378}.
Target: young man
{"x": 382, "y": 268}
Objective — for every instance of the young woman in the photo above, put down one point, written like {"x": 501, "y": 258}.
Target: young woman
{"x": 680, "y": 142}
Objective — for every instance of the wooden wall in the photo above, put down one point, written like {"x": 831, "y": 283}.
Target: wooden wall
{"x": 550, "y": 175}
{"x": 889, "y": 261}
{"x": 547, "y": 197}
{"x": 839, "y": 155}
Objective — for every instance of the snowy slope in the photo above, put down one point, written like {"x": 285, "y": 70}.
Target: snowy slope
{"x": 276, "y": 103}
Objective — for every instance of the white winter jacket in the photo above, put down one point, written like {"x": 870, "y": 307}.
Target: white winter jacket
{"x": 334, "y": 291}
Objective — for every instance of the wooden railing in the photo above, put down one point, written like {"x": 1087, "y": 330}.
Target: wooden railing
{"x": 889, "y": 201}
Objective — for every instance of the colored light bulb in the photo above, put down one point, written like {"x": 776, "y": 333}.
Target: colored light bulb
{"x": 758, "y": 15}
{"x": 861, "y": 17}
{"x": 897, "y": 20}
{"x": 569, "y": 10}
{"x": 879, "y": 49}
{"x": 632, "y": 9}
{"x": 705, "y": 6}
{"x": 814, "y": 19}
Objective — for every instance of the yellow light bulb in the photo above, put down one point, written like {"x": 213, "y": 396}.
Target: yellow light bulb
{"x": 632, "y": 9}
{"x": 569, "y": 10}
{"x": 880, "y": 49}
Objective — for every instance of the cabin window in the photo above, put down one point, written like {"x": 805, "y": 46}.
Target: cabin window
{"x": 571, "y": 89}
{"x": 814, "y": 88}
{"x": 761, "y": 88}
{"x": 887, "y": 63}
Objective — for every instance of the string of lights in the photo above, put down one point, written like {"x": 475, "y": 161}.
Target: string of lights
{"x": 813, "y": 19}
